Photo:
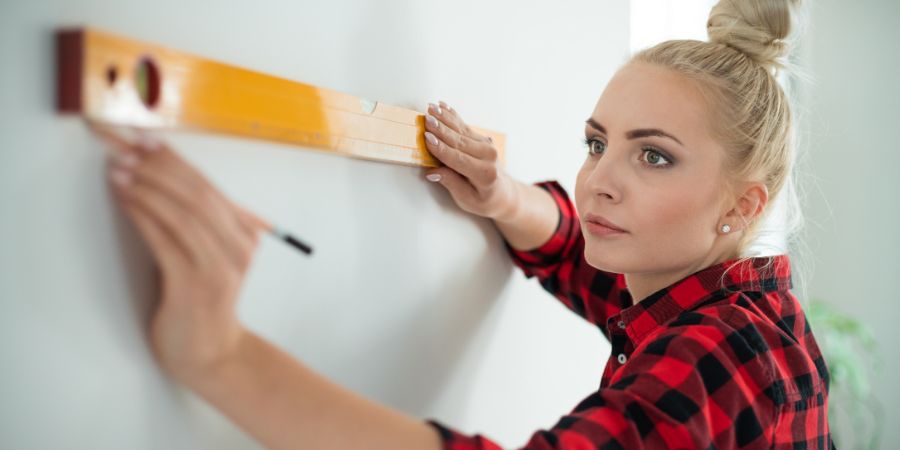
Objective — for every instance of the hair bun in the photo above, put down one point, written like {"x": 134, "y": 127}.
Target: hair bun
{"x": 758, "y": 28}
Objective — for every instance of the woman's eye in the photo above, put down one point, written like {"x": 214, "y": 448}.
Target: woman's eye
{"x": 654, "y": 158}
{"x": 595, "y": 146}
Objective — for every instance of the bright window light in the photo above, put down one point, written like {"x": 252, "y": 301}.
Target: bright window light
{"x": 655, "y": 21}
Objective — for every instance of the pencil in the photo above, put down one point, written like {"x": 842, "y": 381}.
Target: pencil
{"x": 291, "y": 240}
{"x": 276, "y": 231}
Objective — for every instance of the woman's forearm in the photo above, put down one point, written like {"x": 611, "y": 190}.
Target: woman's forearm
{"x": 286, "y": 405}
{"x": 532, "y": 220}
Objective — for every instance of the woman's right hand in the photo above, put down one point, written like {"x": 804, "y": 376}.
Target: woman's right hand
{"x": 470, "y": 170}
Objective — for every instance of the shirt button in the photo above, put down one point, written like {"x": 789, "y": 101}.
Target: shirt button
{"x": 622, "y": 358}
{"x": 621, "y": 324}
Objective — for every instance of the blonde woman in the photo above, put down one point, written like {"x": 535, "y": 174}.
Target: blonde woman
{"x": 687, "y": 148}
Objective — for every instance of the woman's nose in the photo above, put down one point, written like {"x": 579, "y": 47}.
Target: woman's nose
{"x": 606, "y": 174}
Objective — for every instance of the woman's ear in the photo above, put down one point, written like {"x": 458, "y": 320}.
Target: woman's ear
{"x": 748, "y": 206}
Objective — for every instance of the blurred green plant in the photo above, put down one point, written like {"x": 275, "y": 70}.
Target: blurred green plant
{"x": 854, "y": 361}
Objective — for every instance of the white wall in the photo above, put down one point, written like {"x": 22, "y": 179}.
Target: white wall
{"x": 420, "y": 308}
{"x": 850, "y": 115}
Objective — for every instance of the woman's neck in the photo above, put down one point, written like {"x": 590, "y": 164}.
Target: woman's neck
{"x": 642, "y": 285}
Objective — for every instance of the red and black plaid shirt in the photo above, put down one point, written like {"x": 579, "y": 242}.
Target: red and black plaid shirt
{"x": 693, "y": 366}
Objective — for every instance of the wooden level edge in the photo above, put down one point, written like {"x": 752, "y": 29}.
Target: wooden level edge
{"x": 104, "y": 77}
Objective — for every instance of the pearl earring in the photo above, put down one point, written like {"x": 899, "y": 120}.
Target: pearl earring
{"x": 726, "y": 228}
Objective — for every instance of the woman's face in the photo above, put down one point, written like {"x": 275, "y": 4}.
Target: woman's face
{"x": 653, "y": 170}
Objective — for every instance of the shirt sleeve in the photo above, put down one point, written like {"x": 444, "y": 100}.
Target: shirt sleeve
{"x": 561, "y": 269}
{"x": 682, "y": 391}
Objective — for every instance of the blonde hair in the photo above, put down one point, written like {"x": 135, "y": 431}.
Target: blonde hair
{"x": 735, "y": 72}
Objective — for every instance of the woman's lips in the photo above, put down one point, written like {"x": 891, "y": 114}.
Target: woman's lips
{"x": 601, "y": 226}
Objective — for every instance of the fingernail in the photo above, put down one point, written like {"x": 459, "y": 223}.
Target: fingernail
{"x": 445, "y": 106}
{"x": 148, "y": 142}
{"x": 435, "y": 108}
{"x": 431, "y": 139}
{"x": 126, "y": 159}
{"x": 432, "y": 121}
{"x": 120, "y": 177}
{"x": 433, "y": 177}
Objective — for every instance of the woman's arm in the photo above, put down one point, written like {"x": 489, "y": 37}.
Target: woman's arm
{"x": 532, "y": 220}
{"x": 526, "y": 215}
{"x": 286, "y": 405}
{"x": 203, "y": 245}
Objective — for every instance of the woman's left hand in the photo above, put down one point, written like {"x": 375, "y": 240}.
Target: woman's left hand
{"x": 203, "y": 244}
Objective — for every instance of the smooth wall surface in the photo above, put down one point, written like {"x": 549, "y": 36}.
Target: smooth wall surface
{"x": 407, "y": 300}
{"x": 850, "y": 114}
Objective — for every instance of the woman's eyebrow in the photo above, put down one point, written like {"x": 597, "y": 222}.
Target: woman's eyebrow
{"x": 634, "y": 134}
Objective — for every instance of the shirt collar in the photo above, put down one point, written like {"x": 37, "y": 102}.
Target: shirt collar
{"x": 757, "y": 274}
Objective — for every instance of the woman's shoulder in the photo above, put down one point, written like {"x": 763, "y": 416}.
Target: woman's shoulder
{"x": 766, "y": 332}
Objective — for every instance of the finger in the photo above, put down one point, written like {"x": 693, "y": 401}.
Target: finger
{"x": 474, "y": 134}
{"x": 183, "y": 182}
{"x": 447, "y": 117}
{"x": 143, "y": 143}
{"x": 452, "y": 119}
{"x": 148, "y": 142}
{"x": 196, "y": 249}
{"x": 165, "y": 170}
{"x": 480, "y": 173}
{"x": 193, "y": 195}
{"x": 477, "y": 149}
{"x": 165, "y": 249}
{"x": 444, "y": 105}
{"x": 117, "y": 144}
{"x": 251, "y": 223}
{"x": 164, "y": 246}
{"x": 460, "y": 188}
{"x": 187, "y": 232}
{"x": 142, "y": 139}
{"x": 445, "y": 124}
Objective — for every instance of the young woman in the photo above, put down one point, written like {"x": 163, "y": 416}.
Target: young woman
{"x": 686, "y": 149}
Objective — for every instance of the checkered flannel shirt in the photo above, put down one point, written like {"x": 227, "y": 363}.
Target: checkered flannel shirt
{"x": 693, "y": 366}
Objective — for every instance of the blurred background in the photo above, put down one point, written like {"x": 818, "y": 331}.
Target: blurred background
{"x": 420, "y": 308}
